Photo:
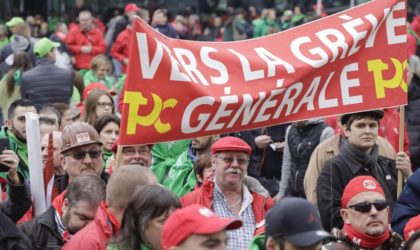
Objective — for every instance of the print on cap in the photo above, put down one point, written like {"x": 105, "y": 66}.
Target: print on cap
{"x": 369, "y": 184}
{"x": 205, "y": 212}
{"x": 83, "y": 137}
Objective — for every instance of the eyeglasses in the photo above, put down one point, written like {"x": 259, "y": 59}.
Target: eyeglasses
{"x": 94, "y": 154}
{"x": 105, "y": 104}
{"x": 365, "y": 207}
{"x": 230, "y": 160}
{"x": 130, "y": 151}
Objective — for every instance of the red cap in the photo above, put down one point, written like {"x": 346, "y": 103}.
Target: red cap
{"x": 95, "y": 85}
{"x": 194, "y": 219}
{"x": 115, "y": 146}
{"x": 230, "y": 143}
{"x": 360, "y": 184}
{"x": 131, "y": 7}
{"x": 412, "y": 226}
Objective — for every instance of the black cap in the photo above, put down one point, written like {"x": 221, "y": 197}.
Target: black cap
{"x": 377, "y": 114}
{"x": 297, "y": 221}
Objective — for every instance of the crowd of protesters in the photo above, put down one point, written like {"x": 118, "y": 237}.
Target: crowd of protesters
{"x": 314, "y": 184}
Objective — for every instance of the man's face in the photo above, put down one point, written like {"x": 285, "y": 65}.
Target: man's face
{"x": 217, "y": 241}
{"x": 202, "y": 143}
{"x": 17, "y": 125}
{"x": 77, "y": 216}
{"x": 56, "y": 152}
{"x": 77, "y": 162}
{"x": 85, "y": 21}
{"x": 373, "y": 222}
{"x": 362, "y": 133}
{"x": 137, "y": 155}
{"x": 159, "y": 18}
{"x": 231, "y": 167}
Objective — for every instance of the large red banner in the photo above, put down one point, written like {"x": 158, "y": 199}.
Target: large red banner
{"x": 351, "y": 61}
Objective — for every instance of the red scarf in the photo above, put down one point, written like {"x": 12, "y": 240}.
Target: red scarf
{"x": 364, "y": 240}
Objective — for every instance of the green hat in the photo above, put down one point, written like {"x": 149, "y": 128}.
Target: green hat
{"x": 15, "y": 21}
{"x": 43, "y": 46}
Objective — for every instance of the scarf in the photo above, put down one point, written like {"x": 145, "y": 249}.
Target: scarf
{"x": 364, "y": 240}
{"x": 355, "y": 157}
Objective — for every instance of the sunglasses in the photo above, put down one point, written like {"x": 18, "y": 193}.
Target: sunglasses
{"x": 365, "y": 207}
{"x": 94, "y": 154}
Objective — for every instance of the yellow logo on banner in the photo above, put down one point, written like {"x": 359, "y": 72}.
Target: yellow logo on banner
{"x": 134, "y": 100}
{"x": 378, "y": 66}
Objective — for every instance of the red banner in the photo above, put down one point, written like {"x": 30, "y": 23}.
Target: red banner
{"x": 351, "y": 61}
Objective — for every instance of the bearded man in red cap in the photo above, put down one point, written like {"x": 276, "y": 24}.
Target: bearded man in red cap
{"x": 365, "y": 212}
{"x": 228, "y": 196}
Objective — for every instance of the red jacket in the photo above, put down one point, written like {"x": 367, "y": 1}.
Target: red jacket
{"x": 390, "y": 129}
{"x": 96, "y": 234}
{"x": 121, "y": 47}
{"x": 76, "y": 39}
{"x": 204, "y": 196}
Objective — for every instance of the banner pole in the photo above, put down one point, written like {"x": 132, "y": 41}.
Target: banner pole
{"x": 401, "y": 148}
{"x": 118, "y": 158}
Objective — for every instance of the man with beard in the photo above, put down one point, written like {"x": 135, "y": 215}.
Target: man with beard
{"x": 365, "y": 212}
{"x": 180, "y": 177}
{"x": 228, "y": 196}
{"x": 54, "y": 227}
{"x": 15, "y": 132}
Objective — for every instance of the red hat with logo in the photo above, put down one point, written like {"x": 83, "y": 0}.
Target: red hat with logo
{"x": 230, "y": 143}
{"x": 412, "y": 226}
{"x": 194, "y": 219}
{"x": 131, "y": 7}
{"x": 360, "y": 184}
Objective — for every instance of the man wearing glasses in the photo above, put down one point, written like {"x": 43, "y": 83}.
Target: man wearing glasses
{"x": 359, "y": 155}
{"x": 80, "y": 154}
{"x": 228, "y": 196}
{"x": 365, "y": 212}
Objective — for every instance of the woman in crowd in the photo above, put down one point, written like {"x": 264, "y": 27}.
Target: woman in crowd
{"x": 98, "y": 103}
{"x": 108, "y": 127}
{"x": 10, "y": 84}
{"x": 147, "y": 211}
{"x": 100, "y": 68}
{"x": 203, "y": 168}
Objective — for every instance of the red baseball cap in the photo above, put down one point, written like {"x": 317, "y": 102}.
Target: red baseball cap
{"x": 360, "y": 184}
{"x": 412, "y": 226}
{"x": 230, "y": 143}
{"x": 95, "y": 85}
{"x": 194, "y": 219}
{"x": 131, "y": 7}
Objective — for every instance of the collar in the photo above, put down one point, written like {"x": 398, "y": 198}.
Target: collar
{"x": 247, "y": 197}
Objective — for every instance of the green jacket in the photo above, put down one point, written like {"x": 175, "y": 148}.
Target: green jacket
{"x": 258, "y": 243}
{"x": 89, "y": 78}
{"x": 173, "y": 167}
{"x": 181, "y": 178}
{"x": 22, "y": 151}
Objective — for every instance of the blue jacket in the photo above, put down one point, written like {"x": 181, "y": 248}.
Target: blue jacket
{"x": 408, "y": 203}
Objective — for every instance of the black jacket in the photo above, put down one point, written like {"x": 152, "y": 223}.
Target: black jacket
{"x": 413, "y": 120}
{"x": 19, "y": 200}
{"x": 11, "y": 237}
{"x": 42, "y": 231}
{"x": 338, "y": 171}
{"x": 47, "y": 83}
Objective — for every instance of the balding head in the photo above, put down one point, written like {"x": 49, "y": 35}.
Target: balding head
{"x": 123, "y": 183}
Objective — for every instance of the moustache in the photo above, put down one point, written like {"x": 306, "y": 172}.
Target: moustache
{"x": 233, "y": 171}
